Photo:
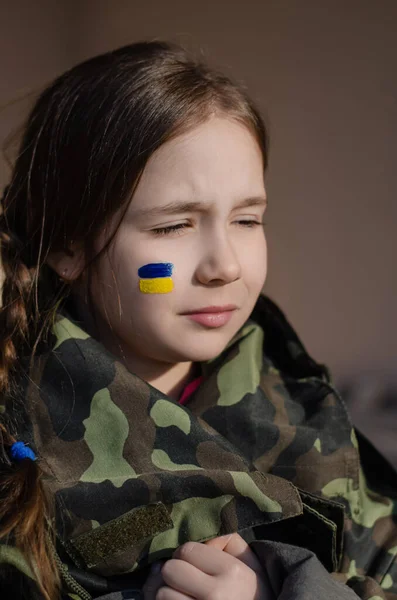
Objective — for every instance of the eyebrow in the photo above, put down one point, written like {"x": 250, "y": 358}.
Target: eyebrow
{"x": 173, "y": 208}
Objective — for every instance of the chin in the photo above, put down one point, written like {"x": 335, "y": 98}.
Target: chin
{"x": 204, "y": 351}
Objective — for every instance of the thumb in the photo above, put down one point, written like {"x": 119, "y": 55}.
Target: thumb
{"x": 234, "y": 545}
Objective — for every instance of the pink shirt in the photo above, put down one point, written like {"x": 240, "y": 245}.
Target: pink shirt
{"x": 189, "y": 389}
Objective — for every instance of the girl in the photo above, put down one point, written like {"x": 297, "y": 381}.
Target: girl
{"x": 158, "y": 412}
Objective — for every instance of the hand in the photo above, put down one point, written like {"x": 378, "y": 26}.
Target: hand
{"x": 223, "y": 568}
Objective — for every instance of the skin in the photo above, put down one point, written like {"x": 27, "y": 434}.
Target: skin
{"x": 220, "y": 257}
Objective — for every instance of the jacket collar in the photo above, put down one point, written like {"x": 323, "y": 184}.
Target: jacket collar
{"x": 135, "y": 474}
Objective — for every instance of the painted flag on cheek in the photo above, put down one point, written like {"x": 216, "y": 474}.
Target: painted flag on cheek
{"x": 155, "y": 278}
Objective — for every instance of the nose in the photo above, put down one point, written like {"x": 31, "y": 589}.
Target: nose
{"x": 219, "y": 264}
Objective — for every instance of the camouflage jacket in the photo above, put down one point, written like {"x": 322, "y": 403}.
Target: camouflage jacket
{"x": 263, "y": 447}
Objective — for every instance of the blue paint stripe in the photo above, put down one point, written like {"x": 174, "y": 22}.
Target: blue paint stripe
{"x": 156, "y": 270}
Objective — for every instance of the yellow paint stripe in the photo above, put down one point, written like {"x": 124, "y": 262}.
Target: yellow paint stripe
{"x": 158, "y": 285}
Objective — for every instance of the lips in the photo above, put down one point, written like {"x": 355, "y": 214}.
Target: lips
{"x": 211, "y": 309}
{"x": 212, "y": 316}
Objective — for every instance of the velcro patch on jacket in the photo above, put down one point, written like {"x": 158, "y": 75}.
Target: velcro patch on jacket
{"x": 117, "y": 536}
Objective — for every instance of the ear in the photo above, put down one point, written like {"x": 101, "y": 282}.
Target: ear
{"x": 68, "y": 265}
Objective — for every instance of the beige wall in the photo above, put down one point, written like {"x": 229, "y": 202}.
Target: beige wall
{"x": 33, "y": 49}
{"x": 325, "y": 74}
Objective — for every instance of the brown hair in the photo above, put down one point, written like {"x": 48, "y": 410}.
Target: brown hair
{"x": 86, "y": 143}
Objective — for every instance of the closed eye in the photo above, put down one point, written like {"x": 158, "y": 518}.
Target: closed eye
{"x": 170, "y": 229}
{"x": 251, "y": 224}
{"x": 159, "y": 231}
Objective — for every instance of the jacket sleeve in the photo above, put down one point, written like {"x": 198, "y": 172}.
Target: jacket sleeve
{"x": 369, "y": 568}
{"x": 371, "y": 534}
{"x": 295, "y": 573}
{"x": 16, "y": 577}
{"x": 17, "y": 580}
{"x": 368, "y": 589}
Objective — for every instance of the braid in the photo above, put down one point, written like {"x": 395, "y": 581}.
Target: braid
{"x": 18, "y": 283}
{"x": 25, "y": 509}
{"x": 27, "y": 309}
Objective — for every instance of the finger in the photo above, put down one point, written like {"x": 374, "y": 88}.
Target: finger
{"x": 186, "y": 578}
{"x": 207, "y": 559}
{"x": 236, "y": 546}
{"x": 219, "y": 542}
{"x": 167, "y": 593}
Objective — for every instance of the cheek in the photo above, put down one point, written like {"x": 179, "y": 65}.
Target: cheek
{"x": 156, "y": 278}
{"x": 255, "y": 265}
{"x": 150, "y": 290}
{"x": 116, "y": 282}
{"x": 165, "y": 281}
{"x": 125, "y": 291}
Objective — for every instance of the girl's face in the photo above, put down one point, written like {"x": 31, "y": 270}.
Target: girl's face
{"x": 199, "y": 206}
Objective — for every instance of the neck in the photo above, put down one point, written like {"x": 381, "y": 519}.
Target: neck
{"x": 166, "y": 377}
{"x": 172, "y": 380}
{"x": 169, "y": 378}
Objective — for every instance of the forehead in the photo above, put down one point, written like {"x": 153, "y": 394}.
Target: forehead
{"x": 219, "y": 158}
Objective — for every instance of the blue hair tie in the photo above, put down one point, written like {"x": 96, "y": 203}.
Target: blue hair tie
{"x": 19, "y": 452}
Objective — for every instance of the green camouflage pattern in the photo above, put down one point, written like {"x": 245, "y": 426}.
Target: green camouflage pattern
{"x": 264, "y": 447}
